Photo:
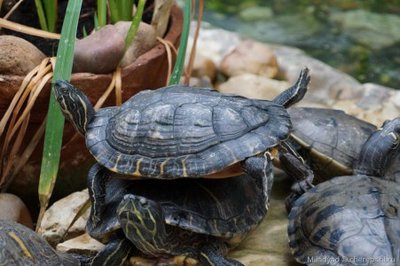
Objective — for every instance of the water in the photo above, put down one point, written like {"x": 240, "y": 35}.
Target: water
{"x": 361, "y": 38}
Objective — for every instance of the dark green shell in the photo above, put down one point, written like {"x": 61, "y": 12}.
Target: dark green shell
{"x": 181, "y": 131}
{"x": 345, "y": 218}
{"x": 19, "y": 245}
{"x": 225, "y": 208}
{"x": 330, "y": 138}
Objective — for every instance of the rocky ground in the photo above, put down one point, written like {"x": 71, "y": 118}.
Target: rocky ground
{"x": 257, "y": 70}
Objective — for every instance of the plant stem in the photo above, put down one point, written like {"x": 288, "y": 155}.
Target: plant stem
{"x": 41, "y": 15}
{"x": 101, "y": 13}
{"x": 135, "y": 24}
{"x": 180, "y": 60}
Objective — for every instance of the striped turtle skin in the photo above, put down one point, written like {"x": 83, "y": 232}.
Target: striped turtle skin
{"x": 352, "y": 220}
{"x": 20, "y": 246}
{"x": 189, "y": 214}
{"x": 179, "y": 131}
{"x": 349, "y": 220}
{"x": 330, "y": 139}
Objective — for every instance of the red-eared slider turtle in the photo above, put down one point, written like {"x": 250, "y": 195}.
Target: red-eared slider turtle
{"x": 194, "y": 217}
{"x": 179, "y": 131}
{"x": 352, "y": 220}
{"x": 19, "y": 245}
{"x": 330, "y": 140}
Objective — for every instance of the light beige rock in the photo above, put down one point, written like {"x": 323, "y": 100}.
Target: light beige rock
{"x": 161, "y": 16}
{"x": 203, "y": 66}
{"x": 18, "y": 56}
{"x": 327, "y": 84}
{"x": 100, "y": 52}
{"x": 253, "y": 86}
{"x": 83, "y": 244}
{"x": 144, "y": 40}
{"x": 250, "y": 57}
{"x": 56, "y": 224}
{"x": 13, "y": 208}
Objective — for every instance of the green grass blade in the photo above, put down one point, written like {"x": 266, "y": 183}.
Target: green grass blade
{"x": 101, "y": 13}
{"x": 41, "y": 15}
{"x": 50, "y": 8}
{"x": 125, "y": 10}
{"x": 180, "y": 59}
{"x": 135, "y": 24}
{"x": 54, "y": 129}
{"x": 114, "y": 12}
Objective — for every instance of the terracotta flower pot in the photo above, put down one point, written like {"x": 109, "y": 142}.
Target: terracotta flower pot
{"x": 149, "y": 71}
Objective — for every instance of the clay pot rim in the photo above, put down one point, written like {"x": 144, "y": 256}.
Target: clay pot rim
{"x": 173, "y": 33}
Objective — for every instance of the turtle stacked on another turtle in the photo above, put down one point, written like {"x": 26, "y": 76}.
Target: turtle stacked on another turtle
{"x": 171, "y": 133}
{"x": 350, "y": 220}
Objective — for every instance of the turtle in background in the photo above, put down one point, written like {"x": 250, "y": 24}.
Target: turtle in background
{"x": 196, "y": 218}
{"x": 20, "y": 246}
{"x": 329, "y": 140}
{"x": 349, "y": 220}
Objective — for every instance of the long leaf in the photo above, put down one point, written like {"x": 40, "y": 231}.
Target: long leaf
{"x": 54, "y": 127}
{"x": 41, "y": 15}
{"x": 180, "y": 60}
{"x": 50, "y": 7}
{"x": 135, "y": 24}
{"x": 101, "y": 13}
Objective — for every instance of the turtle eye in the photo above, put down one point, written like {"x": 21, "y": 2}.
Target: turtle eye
{"x": 396, "y": 139}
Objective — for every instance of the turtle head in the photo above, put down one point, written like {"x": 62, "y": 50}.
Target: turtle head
{"x": 380, "y": 149}
{"x": 75, "y": 105}
{"x": 143, "y": 222}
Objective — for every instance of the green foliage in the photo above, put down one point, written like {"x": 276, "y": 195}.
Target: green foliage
{"x": 180, "y": 60}
{"x": 135, "y": 23}
{"x": 55, "y": 118}
{"x": 47, "y": 13}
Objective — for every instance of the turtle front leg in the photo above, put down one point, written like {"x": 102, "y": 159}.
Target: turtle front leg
{"x": 96, "y": 182}
{"x": 116, "y": 252}
{"x": 260, "y": 169}
{"x": 211, "y": 255}
{"x": 301, "y": 174}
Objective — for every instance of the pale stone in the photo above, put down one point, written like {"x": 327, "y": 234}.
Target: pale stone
{"x": 213, "y": 43}
{"x": 56, "y": 224}
{"x": 203, "y": 66}
{"x": 13, "y": 208}
{"x": 253, "y": 86}
{"x": 327, "y": 84}
{"x": 161, "y": 16}
{"x": 18, "y": 56}
{"x": 83, "y": 244}
{"x": 256, "y": 13}
{"x": 100, "y": 52}
{"x": 144, "y": 40}
{"x": 250, "y": 57}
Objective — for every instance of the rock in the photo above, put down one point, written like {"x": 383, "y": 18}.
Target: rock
{"x": 144, "y": 40}
{"x": 371, "y": 29}
{"x": 213, "y": 43}
{"x": 203, "y": 66}
{"x": 18, "y": 56}
{"x": 56, "y": 224}
{"x": 161, "y": 16}
{"x": 253, "y": 86}
{"x": 83, "y": 245}
{"x": 250, "y": 57}
{"x": 256, "y": 13}
{"x": 327, "y": 84}
{"x": 100, "y": 52}
{"x": 13, "y": 208}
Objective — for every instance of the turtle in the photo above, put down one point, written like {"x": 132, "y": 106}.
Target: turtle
{"x": 328, "y": 139}
{"x": 197, "y": 218}
{"x": 354, "y": 219}
{"x": 179, "y": 131}
{"x": 19, "y": 245}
